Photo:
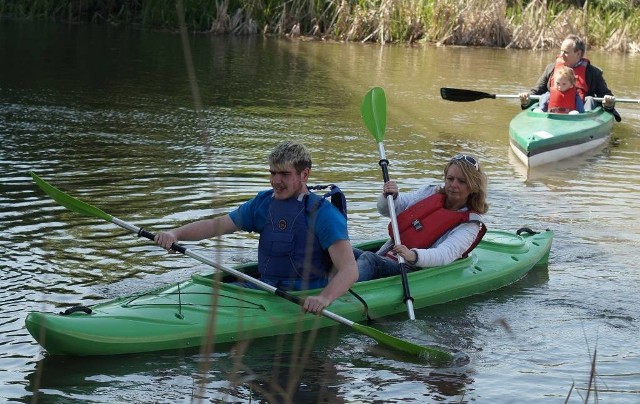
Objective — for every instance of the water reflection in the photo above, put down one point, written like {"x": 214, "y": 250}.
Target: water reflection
{"x": 74, "y": 378}
{"x": 106, "y": 115}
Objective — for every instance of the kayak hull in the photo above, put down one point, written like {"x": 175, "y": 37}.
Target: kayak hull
{"x": 539, "y": 138}
{"x": 205, "y": 310}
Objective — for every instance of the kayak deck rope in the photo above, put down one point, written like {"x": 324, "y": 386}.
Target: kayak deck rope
{"x": 179, "y": 313}
{"x": 76, "y": 309}
{"x": 526, "y": 230}
{"x": 131, "y": 302}
{"x": 364, "y": 303}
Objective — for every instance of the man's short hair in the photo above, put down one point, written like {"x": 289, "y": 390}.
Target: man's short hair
{"x": 290, "y": 153}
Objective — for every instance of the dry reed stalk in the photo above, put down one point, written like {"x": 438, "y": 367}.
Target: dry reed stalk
{"x": 592, "y": 378}
{"x": 471, "y": 22}
{"x": 532, "y": 33}
{"x": 444, "y": 22}
{"x": 241, "y": 23}
{"x": 412, "y": 20}
{"x": 290, "y": 358}
{"x": 618, "y": 40}
{"x": 542, "y": 28}
{"x": 567, "y": 22}
{"x": 220, "y": 25}
{"x": 357, "y": 27}
{"x": 484, "y": 24}
{"x": 375, "y": 22}
{"x": 341, "y": 20}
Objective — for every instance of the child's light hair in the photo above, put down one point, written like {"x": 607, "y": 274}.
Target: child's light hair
{"x": 565, "y": 72}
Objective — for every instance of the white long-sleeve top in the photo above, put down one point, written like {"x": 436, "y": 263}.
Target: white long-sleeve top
{"x": 448, "y": 248}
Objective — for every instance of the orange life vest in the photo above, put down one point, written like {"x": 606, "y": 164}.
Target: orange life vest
{"x": 580, "y": 71}
{"x": 562, "y": 102}
{"x": 422, "y": 224}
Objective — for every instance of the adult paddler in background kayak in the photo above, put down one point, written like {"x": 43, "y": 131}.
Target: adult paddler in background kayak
{"x": 589, "y": 79}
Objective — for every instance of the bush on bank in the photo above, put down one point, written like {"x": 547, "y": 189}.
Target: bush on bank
{"x": 528, "y": 24}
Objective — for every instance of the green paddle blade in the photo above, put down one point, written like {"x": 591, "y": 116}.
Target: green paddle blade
{"x": 374, "y": 112}
{"x": 70, "y": 202}
{"x": 429, "y": 354}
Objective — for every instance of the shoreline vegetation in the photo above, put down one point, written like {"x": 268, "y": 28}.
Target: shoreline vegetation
{"x": 610, "y": 25}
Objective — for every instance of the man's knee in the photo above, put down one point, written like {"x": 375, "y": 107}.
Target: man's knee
{"x": 366, "y": 266}
{"x": 368, "y": 257}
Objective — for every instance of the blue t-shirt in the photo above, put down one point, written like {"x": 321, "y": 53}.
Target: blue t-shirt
{"x": 330, "y": 225}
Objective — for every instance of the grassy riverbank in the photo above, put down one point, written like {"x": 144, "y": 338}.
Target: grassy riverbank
{"x": 527, "y": 24}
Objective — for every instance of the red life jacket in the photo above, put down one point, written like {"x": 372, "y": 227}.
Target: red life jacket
{"x": 562, "y": 102}
{"x": 422, "y": 224}
{"x": 580, "y": 71}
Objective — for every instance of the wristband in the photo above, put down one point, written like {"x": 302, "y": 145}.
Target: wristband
{"x": 414, "y": 261}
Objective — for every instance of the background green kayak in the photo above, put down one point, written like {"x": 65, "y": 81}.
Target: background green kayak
{"x": 539, "y": 138}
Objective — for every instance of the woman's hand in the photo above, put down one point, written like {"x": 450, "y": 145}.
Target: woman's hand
{"x": 410, "y": 256}
{"x": 390, "y": 188}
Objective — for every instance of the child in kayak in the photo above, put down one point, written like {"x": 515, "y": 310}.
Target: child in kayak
{"x": 589, "y": 78}
{"x": 563, "y": 97}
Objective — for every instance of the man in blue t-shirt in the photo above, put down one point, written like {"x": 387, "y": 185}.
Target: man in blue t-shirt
{"x": 301, "y": 234}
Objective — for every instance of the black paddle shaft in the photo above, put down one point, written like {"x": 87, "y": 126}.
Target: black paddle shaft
{"x": 384, "y": 163}
{"x": 147, "y": 234}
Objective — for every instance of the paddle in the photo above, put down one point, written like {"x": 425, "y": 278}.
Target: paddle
{"x": 460, "y": 95}
{"x": 374, "y": 114}
{"x": 428, "y": 353}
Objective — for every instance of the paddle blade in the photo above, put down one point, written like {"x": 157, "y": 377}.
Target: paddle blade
{"x": 460, "y": 95}
{"x": 68, "y": 201}
{"x": 429, "y": 354}
{"x": 374, "y": 112}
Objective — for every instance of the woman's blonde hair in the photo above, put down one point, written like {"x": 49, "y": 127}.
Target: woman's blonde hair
{"x": 476, "y": 181}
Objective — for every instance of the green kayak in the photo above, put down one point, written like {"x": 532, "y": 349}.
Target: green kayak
{"x": 208, "y": 309}
{"x": 539, "y": 138}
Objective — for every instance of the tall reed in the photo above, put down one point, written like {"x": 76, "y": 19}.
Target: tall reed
{"x": 532, "y": 24}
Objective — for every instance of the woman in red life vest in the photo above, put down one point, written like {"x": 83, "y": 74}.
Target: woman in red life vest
{"x": 437, "y": 223}
{"x": 563, "y": 97}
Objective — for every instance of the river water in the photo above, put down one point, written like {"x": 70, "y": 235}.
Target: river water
{"x": 111, "y": 116}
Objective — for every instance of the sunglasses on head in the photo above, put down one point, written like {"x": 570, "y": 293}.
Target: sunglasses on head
{"x": 466, "y": 158}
